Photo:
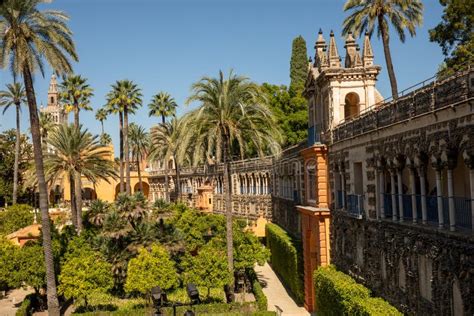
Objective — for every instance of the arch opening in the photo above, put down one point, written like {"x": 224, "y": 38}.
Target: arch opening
{"x": 352, "y": 105}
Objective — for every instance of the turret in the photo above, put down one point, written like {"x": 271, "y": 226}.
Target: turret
{"x": 320, "y": 46}
{"x": 352, "y": 54}
{"x": 367, "y": 54}
{"x": 333, "y": 55}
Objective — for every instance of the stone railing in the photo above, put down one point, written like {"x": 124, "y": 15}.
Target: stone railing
{"x": 425, "y": 97}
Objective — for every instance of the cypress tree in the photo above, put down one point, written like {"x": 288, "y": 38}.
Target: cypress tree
{"x": 298, "y": 65}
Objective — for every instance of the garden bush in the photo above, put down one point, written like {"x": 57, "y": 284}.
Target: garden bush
{"x": 286, "y": 259}
{"x": 25, "y": 308}
{"x": 15, "y": 217}
{"x": 260, "y": 298}
{"x": 339, "y": 294}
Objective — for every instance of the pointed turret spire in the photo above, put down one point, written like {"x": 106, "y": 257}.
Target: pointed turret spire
{"x": 367, "y": 53}
{"x": 320, "y": 46}
{"x": 333, "y": 56}
{"x": 357, "y": 59}
{"x": 351, "y": 52}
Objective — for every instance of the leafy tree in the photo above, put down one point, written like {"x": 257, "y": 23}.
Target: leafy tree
{"x": 7, "y": 159}
{"x": 140, "y": 145}
{"x": 15, "y": 217}
{"x": 8, "y": 253}
{"x": 298, "y": 65}
{"x": 208, "y": 269}
{"x": 162, "y": 104}
{"x": 29, "y": 266}
{"x": 248, "y": 249}
{"x": 47, "y": 125}
{"x": 77, "y": 153}
{"x": 149, "y": 269}
{"x": 84, "y": 273}
{"x": 14, "y": 96}
{"x": 28, "y": 37}
{"x": 290, "y": 111}
{"x": 124, "y": 98}
{"x": 401, "y": 14}
{"x": 455, "y": 34}
{"x": 232, "y": 109}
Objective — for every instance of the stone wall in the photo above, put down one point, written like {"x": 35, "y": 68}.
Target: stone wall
{"x": 395, "y": 260}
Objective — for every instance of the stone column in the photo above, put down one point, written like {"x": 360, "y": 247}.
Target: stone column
{"x": 394, "y": 196}
{"x": 382, "y": 193}
{"x": 424, "y": 211}
{"x": 413, "y": 194}
{"x": 343, "y": 182}
{"x": 439, "y": 195}
{"x": 400, "y": 193}
{"x": 452, "y": 211}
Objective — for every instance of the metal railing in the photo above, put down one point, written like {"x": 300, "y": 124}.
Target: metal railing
{"x": 462, "y": 209}
{"x": 424, "y": 97}
{"x": 355, "y": 205}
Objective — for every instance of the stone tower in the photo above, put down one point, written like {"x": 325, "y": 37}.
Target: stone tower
{"x": 54, "y": 108}
{"x": 337, "y": 91}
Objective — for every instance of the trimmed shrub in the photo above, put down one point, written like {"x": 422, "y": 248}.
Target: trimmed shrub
{"x": 260, "y": 298}
{"x": 339, "y": 294}
{"x": 286, "y": 259}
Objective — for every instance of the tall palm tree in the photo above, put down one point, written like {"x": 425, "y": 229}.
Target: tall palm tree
{"x": 401, "y": 14}
{"x": 168, "y": 142}
{"x": 105, "y": 139}
{"x": 75, "y": 95}
{"x": 14, "y": 96}
{"x": 139, "y": 144}
{"x": 124, "y": 98}
{"x": 101, "y": 116}
{"x": 28, "y": 37}
{"x": 47, "y": 125}
{"x": 76, "y": 152}
{"x": 162, "y": 104}
{"x": 233, "y": 112}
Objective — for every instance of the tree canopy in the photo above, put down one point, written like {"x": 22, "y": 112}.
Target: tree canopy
{"x": 298, "y": 65}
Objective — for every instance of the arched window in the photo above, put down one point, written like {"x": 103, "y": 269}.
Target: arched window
{"x": 311, "y": 180}
{"x": 351, "y": 107}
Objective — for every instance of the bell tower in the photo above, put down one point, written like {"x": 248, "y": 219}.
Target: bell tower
{"x": 53, "y": 107}
{"x": 339, "y": 91}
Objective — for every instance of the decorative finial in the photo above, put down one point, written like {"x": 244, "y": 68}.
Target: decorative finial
{"x": 332, "y": 33}
{"x": 320, "y": 31}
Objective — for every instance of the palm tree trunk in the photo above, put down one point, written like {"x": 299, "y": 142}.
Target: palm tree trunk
{"x": 17, "y": 155}
{"x": 122, "y": 188}
{"x": 53, "y": 303}
{"x": 140, "y": 183}
{"x": 167, "y": 184}
{"x": 388, "y": 57}
{"x": 102, "y": 125}
{"x": 126, "y": 151}
{"x": 72, "y": 193}
{"x": 228, "y": 211}
{"x": 78, "y": 188}
{"x": 76, "y": 115}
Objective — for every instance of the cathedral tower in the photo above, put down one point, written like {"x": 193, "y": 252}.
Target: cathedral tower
{"x": 54, "y": 108}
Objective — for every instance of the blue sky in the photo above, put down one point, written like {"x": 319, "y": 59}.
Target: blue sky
{"x": 166, "y": 45}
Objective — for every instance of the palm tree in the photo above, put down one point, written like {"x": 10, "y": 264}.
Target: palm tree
{"x": 28, "y": 37}
{"x": 168, "y": 142}
{"x": 105, "y": 139}
{"x": 77, "y": 153}
{"x": 101, "y": 116}
{"x": 124, "y": 99}
{"x": 233, "y": 112}
{"x": 140, "y": 144}
{"x": 47, "y": 125}
{"x": 402, "y": 14}
{"x": 162, "y": 104}
{"x": 14, "y": 96}
{"x": 75, "y": 94}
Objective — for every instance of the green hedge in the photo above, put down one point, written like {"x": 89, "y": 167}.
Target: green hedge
{"x": 260, "y": 298}
{"x": 25, "y": 307}
{"x": 339, "y": 294}
{"x": 286, "y": 259}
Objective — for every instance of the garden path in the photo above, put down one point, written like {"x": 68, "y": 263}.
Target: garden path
{"x": 10, "y": 303}
{"x": 277, "y": 296}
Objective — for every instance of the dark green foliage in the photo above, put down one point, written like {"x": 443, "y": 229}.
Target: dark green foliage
{"x": 455, "y": 34}
{"x": 15, "y": 217}
{"x": 298, "y": 65}
{"x": 291, "y": 113}
{"x": 260, "y": 298}
{"x": 339, "y": 294}
{"x": 7, "y": 160}
{"x": 285, "y": 259}
{"x": 26, "y": 307}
